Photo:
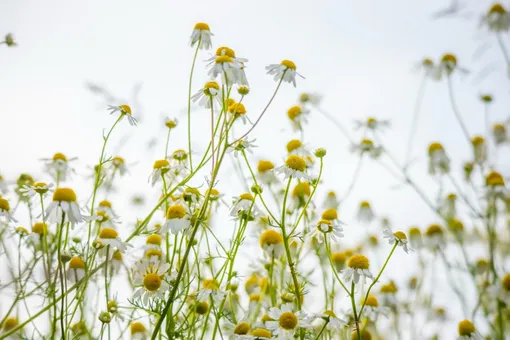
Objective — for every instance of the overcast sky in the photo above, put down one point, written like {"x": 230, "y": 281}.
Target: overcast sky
{"x": 359, "y": 55}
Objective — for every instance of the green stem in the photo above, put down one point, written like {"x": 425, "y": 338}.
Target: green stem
{"x": 189, "y": 103}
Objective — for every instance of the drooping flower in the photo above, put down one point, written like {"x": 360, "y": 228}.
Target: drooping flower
{"x": 286, "y": 71}
{"x": 201, "y": 34}
{"x": 124, "y": 111}
{"x": 64, "y": 205}
{"x": 357, "y": 267}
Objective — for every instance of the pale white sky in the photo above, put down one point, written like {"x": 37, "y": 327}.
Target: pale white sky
{"x": 359, "y": 54}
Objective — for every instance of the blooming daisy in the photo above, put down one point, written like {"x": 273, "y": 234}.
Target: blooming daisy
{"x": 366, "y": 146}
{"x": 211, "y": 289}
{"x": 331, "y": 201}
{"x": 271, "y": 241}
{"x": 38, "y": 188}
{"x": 295, "y": 166}
{"x": 160, "y": 168}
{"x": 365, "y": 213}
{"x": 467, "y": 331}
{"x": 153, "y": 241}
{"x": 313, "y": 99}
{"x": 399, "y": 237}
{"x": 296, "y": 147}
{"x": 389, "y": 293}
{"x": 244, "y": 207}
{"x": 438, "y": 160}
{"x": 106, "y": 206}
{"x": 58, "y": 166}
{"x": 119, "y": 164}
{"x": 150, "y": 277}
{"x": 497, "y": 18}
{"x": 479, "y": 149}
{"x": 207, "y": 95}
{"x": 286, "y": 71}
{"x": 138, "y": 331}
{"x": 64, "y": 203}
{"x": 334, "y": 322}
{"x": 201, "y": 34}
{"x": 177, "y": 219}
{"x": 265, "y": 173}
{"x": 104, "y": 219}
{"x": 258, "y": 334}
{"x": 298, "y": 116}
{"x": 228, "y": 66}
{"x": 238, "y": 110}
{"x": 357, "y": 266}
{"x": 434, "y": 236}
{"x": 501, "y": 290}
{"x": 76, "y": 269}
{"x": 109, "y": 237}
{"x": 371, "y": 123}
{"x": 449, "y": 64}
{"x": 242, "y": 145}
{"x": 39, "y": 229}
{"x": 431, "y": 70}
{"x": 499, "y": 133}
{"x": 235, "y": 331}
{"x": 372, "y": 309}
{"x": 125, "y": 111}
{"x": 415, "y": 237}
{"x": 5, "y": 209}
{"x": 285, "y": 322}
{"x": 327, "y": 229}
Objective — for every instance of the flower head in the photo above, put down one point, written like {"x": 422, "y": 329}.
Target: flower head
{"x": 272, "y": 243}
{"x": 295, "y": 166}
{"x": 286, "y": 322}
{"x": 150, "y": 279}
{"x": 357, "y": 266}
{"x": 125, "y": 111}
{"x": 201, "y": 34}
{"x": 285, "y": 71}
{"x": 64, "y": 205}
{"x": 497, "y": 19}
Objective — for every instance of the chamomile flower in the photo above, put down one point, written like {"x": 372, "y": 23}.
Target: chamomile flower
{"x": 479, "y": 149}
{"x": 58, "y": 166}
{"x": 497, "y": 19}
{"x": 285, "y": 322}
{"x": 372, "y": 308}
{"x": 149, "y": 277}
{"x": 160, "y": 168}
{"x": 119, "y": 164}
{"x": 334, "y": 322}
{"x": 258, "y": 334}
{"x": 438, "y": 160}
{"x": 109, "y": 239}
{"x": 124, "y": 111}
{"x": 371, "y": 123}
{"x": 467, "y": 331}
{"x": 307, "y": 98}
{"x": 430, "y": 69}
{"x": 295, "y": 167}
{"x": 104, "y": 219}
{"x": 236, "y": 331}
{"x": 38, "y": 188}
{"x": 178, "y": 218}
{"x": 331, "y": 201}
{"x": 153, "y": 241}
{"x": 286, "y": 71}
{"x": 3, "y": 185}
{"x": 244, "y": 207}
{"x": 228, "y": 66}
{"x": 357, "y": 267}
{"x": 5, "y": 209}
{"x": 238, "y": 110}
{"x": 449, "y": 64}
{"x": 415, "y": 237}
{"x": 201, "y": 34}
{"x": 9, "y": 40}
{"x": 434, "y": 236}
{"x": 365, "y": 213}
{"x": 389, "y": 294}
{"x": 207, "y": 95}
{"x": 296, "y": 147}
{"x": 271, "y": 241}
{"x": 106, "y": 206}
{"x": 448, "y": 206}
{"x": 138, "y": 331}
{"x": 76, "y": 269}
{"x": 211, "y": 290}
{"x": 39, "y": 229}
{"x": 265, "y": 173}
{"x": 64, "y": 203}
{"x": 366, "y": 146}
{"x": 399, "y": 237}
{"x": 501, "y": 290}
{"x": 242, "y": 145}
{"x": 499, "y": 133}
{"x": 338, "y": 259}
{"x": 298, "y": 116}
{"x": 327, "y": 229}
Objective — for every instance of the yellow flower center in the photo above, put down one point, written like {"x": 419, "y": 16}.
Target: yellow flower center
{"x": 293, "y": 145}
{"x": 295, "y": 163}
{"x": 434, "y": 229}
{"x": 499, "y": 128}
{"x": 237, "y": 108}
{"x": 4, "y": 204}
{"x": 210, "y": 284}
{"x": 152, "y": 282}
{"x": 242, "y": 328}
{"x": 105, "y": 204}
{"x": 202, "y": 26}
{"x": 108, "y": 233}
{"x": 270, "y": 237}
{"x": 414, "y": 232}
{"x": 434, "y": 147}
{"x": 223, "y": 59}
{"x": 301, "y": 189}
{"x": 466, "y": 328}
{"x": 154, "y": 239}
{"x": 225, "y": 51}
{"x": 160, "y": 164}
{"x": 246, "y": 196}
{"x": 494, "y": 179}
{"x": 103, "y": 216}
{"x": 449, "y": 58}
{"x": 329, "y": 313}
{"x": 372, "y": 301}
{"x": 40, "y": 228}
{"x": 21, "y": 230}
{"x": 325, "y": 226}
{"x": 76, "y": 263}
{"x": 427, "y": 62}
{"x": 330, "y": 214}
{"x": 477, "y": 140}
{"x": 9, "y": 324}
{"x": 293, "y": 112}
{"x": 59, "y": 157}
{"x": 506, "y": 282}
{"x": 175, "y": 211}
{"x": 261, "y": 332}
{"x": 338, "y": 258}
{"x": 400, "y": 235}
{"x": 367, "y": 143}
{"x": 371, "y": 121}
{"x": 126, "y": 109}
{"x": 117, "y": 160}
{"x": 289, "y": 64}
{"x": 266, "y": 318}
{"x": 255, "y": 297}
{"x": 288, "y": 321}
{"x": 365, "y": 335}
{"x": 455, "y": 225}
{"x": 64, "y": 195}
{"x": 117, "y": 255}
{"x": 170, "y": 123}
{"x": 389, "y": 288}
{"x": 358, "y": 262}
{"x": 112, "y": 305}
{"x": 201, "y": 307}
{"x": 451, "y": 197}
{"x": 497, "y": 9}
{"x": 265, "y": 166}
{"x": 154, "y": 252}
{"x": 304, "y": 97}
{"x": 137, "y": 327}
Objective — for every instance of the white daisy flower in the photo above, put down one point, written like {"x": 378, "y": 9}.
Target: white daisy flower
{"x": 366, "y": 146}
{"x": 286, "y": 322}
{"x": 109, "y": 238}
{"x": 298, "y": 116}
{"x": 207, "y": 95}
{"x": 434, "y": 236}
{"x": 265, "y": 173}
{"x": 138, "y": 331}
{"x": 371, "y": 123}
{"x": 307, "y": 98}
{"x": 150, "y": 279}
{"x": 227, "y": 66}
{"x": 399, "y": 237}
{"x": 467, "y": 331}
{"x": 497, "y": 18}
{"x": 258, "y": 334}
{"x": 296, "y": 147}
{"x": 5, "y": 209}
{"x": 177, "y": 219}
{"x": 119, "y": 164}
{"x": 124, "y": 110}
{"x": 211, "y": 290}
{"x": 334, "y": 322}
{"x": 240, "y": 145}
{"x": 365, "y": 213}
{"x": 105, "y": 220}
{"x": 438, "y": 160}
{"x": 431, "y": 70}
{"x": 244, "y": 207}
{"x": 331, "y": 201}
{"x": 499, "y": 133}
{"x": 201, "y": 34}
{"x": 449, "y": 64}
{"x": 480, "y": 151}
{"x": 238, "y": 110}
{"x": 448, "y": 206}
{"x": 58, "y": 166}
{"x": 106, "y": 206}
{"x": 3, "y": 185}
{"x": 295, "y": 166}
{"x": 357, "y": 267}
{"x": 271, "y": 241}
{"x": 236, "y": 331}
{"x": 160, "y": 168}
{"x": 286, "y": 70}
{"x": 38, "y": 188}
{"x": 76, "y": 269}
{"x": 501, "y": 290}
{"x": 64, "y": 203}
{"x": 372, "y": 309}
{"x": 116, "y": 262}
{"x": 327, "y": 229}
